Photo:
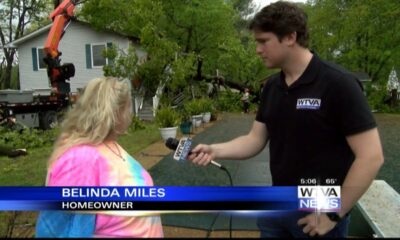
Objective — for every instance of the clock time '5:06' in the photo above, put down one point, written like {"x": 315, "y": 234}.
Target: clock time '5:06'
{"x": 308, "y": 181}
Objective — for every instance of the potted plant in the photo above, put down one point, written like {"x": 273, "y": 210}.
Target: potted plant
{"x": 194, "y": 108}
{"x": 207, "y": 106}
{"x": 186, "y": 123}
{"x": 167, "y": 120}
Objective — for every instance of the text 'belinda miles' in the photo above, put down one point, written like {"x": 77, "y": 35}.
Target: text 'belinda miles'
{"x": 88, "y": 192}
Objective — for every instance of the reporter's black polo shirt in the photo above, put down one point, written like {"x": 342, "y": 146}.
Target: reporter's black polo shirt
{"x": 308, "y": 123}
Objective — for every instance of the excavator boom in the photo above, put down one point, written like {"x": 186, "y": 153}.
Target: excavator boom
{"x": 57, "y": 73}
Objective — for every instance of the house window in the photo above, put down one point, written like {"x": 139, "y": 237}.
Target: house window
{"x": 97, "y": 55}
{"x": 40, "y": 55}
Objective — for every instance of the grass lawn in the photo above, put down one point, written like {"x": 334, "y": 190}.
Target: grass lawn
{"x": 30, "y": 170}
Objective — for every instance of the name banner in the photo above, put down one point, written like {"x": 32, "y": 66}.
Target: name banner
{"x": 150, "y": 198}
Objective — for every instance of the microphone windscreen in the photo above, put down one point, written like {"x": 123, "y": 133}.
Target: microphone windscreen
{"x": 181, "y": 147}
{"x": 172, "y": 143}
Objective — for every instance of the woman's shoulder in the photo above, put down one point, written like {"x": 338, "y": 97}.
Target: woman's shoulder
{"x": 81, "y": 150}
{"x": 83, "y": 154}
{"x": 77, "y": 166}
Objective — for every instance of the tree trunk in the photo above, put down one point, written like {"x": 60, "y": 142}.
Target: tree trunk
{"x": 2, "y": 69}
{"x": 393, "y": 101}
{"x": 217, "y": 80}
{"x": 7, "y": 76}
{"x": 189, "y": 38}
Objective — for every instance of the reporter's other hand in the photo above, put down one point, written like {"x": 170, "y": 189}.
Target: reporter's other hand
{"x": 316, "y": 225}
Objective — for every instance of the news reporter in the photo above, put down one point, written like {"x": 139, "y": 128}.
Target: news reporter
{"x": 317, "y": 120}
{"x": 87, "y": 153}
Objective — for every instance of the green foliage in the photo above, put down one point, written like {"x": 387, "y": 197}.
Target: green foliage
{"x": 182, "y": 69}
{"x": 376, "y": 96}
{"x": 166, "y": 100}
{"x": 124, "y": 65}
{"x": 167, "y": 117}
{"x": 128, "y": 16}
{"x": 350, "y": 33}
{"x": 161, "y": 52}
{"x": 14, "y": 172}
{"x": 137, "y": 18}
{"x": 379, "y": 98}
{"x": 136, "y": 125}
{"x": 207, "y": 105}
{"x": 243, "y": 8}
{"x": 198, "y": 89}
{"x": 15, "y": 77}
{"x": 151, "y": 76}
{"x": 194, "y": 107}
{"x": 198, "y": 26}
{"x": 363, "y": 36}
{"x": 229, "y": 102}
{"x": 185, "y": 115}
{"x": 240, "y": 63}
{"x": 175, "y": 33}
{"x": 27, "y": 138}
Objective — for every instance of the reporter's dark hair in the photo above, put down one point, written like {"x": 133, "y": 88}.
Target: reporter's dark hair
{"x": 282, "y": 18}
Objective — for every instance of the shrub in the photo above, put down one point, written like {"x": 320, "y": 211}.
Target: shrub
{"x": 136, "y": 124}
{"x": 27, "y": 137}
{"x": 207, "y": 105}
{"x": 194, "y": 107}
{"x": 167, "y": 117}
{"x": 229, "y": 102}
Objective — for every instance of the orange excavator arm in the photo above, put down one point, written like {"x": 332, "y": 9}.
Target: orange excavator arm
{"x": 57, "y": 73}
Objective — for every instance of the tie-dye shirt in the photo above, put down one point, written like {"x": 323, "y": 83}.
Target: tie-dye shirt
{"x": 86, "y": 165}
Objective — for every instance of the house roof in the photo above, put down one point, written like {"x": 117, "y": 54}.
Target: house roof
{"x": 362, "y": 76}
{"x": 16, "y": 43}
{"x": 42, "y": 30}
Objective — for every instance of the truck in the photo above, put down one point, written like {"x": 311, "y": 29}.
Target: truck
{"x": 34, "y": 109}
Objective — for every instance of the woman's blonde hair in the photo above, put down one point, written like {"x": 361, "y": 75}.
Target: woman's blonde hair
{"x": 100, "y": 112}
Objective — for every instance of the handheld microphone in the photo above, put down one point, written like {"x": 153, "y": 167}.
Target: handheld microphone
{"x": 182, "y": 149}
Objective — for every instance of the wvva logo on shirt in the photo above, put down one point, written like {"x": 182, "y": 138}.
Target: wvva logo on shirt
{"x": 308, "y": 103}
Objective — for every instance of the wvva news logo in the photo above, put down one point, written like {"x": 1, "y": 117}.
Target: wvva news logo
{"x": 319, "y": 198}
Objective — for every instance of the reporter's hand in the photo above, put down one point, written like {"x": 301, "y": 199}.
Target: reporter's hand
{"x": 316, "y": 224}
{"x": 202, "y": 155}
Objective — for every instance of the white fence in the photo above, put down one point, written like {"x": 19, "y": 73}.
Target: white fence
{"x": 156, "y": 98}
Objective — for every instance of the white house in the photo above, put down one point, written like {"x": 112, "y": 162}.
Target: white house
{"x": 81, "y": 45}
{"x": 393, "y": 82}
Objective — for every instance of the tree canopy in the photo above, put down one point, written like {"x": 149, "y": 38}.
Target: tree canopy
{"x": 178, "y": 33}
{"x": 363, "y": 36}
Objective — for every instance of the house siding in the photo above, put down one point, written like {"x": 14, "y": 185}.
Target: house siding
{"x": 73, "y": 51}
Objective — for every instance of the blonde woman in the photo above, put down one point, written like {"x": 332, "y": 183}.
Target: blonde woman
{"x": 87, "y": 154}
